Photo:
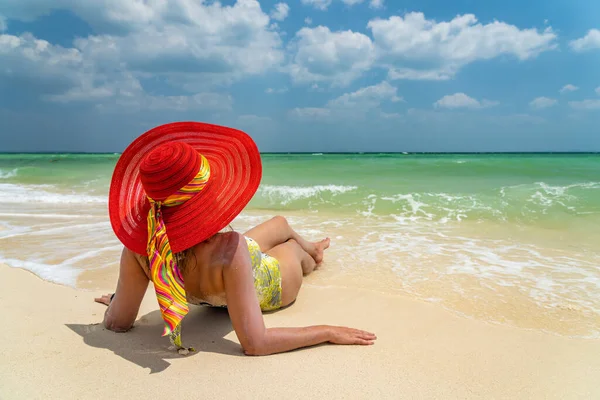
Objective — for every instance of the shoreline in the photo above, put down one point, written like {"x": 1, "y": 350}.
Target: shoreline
{"x": 502, "y": 305}
{"x": 106, "y": 277}
{"x": 424, "y": 351}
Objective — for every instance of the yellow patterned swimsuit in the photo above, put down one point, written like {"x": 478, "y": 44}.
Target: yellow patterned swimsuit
{"x": 267, "y": 279}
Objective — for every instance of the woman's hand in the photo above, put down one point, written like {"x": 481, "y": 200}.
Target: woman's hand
{"x": 343, "y": 335}
{"x": 104, "y": 299}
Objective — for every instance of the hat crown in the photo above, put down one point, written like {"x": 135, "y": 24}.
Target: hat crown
{"x": 168, "y": 168}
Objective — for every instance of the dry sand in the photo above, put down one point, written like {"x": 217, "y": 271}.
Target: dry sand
{"x": 54, "y": 347}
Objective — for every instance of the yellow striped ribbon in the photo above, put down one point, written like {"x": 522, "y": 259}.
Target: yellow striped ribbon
{"x": 166, "y": 275}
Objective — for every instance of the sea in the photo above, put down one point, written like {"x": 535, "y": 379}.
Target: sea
{"x": 511, "y": 239}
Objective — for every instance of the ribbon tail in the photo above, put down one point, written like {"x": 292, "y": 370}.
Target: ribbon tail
{"x": 167, "y": 279}
{"x": 175, "y": 338}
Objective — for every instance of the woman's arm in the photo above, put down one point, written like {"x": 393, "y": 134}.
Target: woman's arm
{"x": 131, "y": 287}
{"x": 247, "y": 318}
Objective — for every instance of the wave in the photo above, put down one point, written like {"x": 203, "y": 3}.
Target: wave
{"x": 62, "y": 274}
{"x": 524, "y": 203}
{"x": 283, "y": 195}
{"x": 19, "y": 194}
{"x": 9, "y": 174}
{"x": 65, "y": 272}
{"x": 544, "y": 198}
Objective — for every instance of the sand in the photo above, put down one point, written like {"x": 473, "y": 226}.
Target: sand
{"x": 54, "y": 347}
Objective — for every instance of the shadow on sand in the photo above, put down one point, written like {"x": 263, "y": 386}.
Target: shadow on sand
{"x": 203, "y": 328}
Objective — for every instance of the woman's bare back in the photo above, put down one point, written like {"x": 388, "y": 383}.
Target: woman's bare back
{"x": 202, "y": 268}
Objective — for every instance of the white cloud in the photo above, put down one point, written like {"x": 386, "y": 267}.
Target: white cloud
{"x": 568, "y": 88}
{"x": 390, "y": 115}
{"x": 318, "y": 4}
{"x": 542, "y": 102}
{"x": 233, "y": 40}
{"x": 461, "y": 100}
{"x": 324, "y": 4}
{"x": 444, "y": 118}
{"x": 280, "y": 11}
{"x": 276, "y": 91}
{"x": 308, "y": 20}
{"x": 517, "y": 119}
{"x": 420, "y": 75}
{"x": 253, "y": 119}
{"x": 403, "y": 42}
{"x": 128, "y": 95}
{"x": 590, "y": 41}
{"x": 191, "y": 44}
{"x": 588, "y": 104}
{"x": 66, "y": 75}
{"x": 310, "y": 112}
{"x": 3, "y": 26}
{"x": 105, "y": 14}
{"x": 411, "y": 47}
{"x": 200, "y": 101}
{"x": 367, "y": 97}
{"x": 352, "y": 2}
{"x": 50, "y": 69}
{"x": 336, "y": 57}
{"x": 598, "y": 90}
{"x": 353, "y": 104}
{"x": 376, "y": 4}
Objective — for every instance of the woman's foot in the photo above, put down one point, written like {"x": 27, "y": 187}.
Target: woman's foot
{"x": 320, "y": 249}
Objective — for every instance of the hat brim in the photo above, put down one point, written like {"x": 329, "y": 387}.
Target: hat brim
{"x": 235, "y": 175}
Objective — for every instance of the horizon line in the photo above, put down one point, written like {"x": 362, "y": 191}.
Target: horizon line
{"x": 327, "y": 152}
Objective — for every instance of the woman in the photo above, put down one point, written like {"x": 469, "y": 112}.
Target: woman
{"x": 173, "y": 190}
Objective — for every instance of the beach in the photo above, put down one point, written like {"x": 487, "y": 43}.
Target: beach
{"x": 57, "y": 349}
{"x": 478, "y": 273}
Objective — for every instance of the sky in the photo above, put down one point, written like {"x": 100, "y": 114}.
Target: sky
{"x": 303, "y": 75}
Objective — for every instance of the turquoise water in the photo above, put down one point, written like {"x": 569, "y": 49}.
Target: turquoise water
{"x": 507, "y": 237}
{"x": 542, "y": 189}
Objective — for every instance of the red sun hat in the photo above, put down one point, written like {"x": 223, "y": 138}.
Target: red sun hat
{"x": 164, "y": 160}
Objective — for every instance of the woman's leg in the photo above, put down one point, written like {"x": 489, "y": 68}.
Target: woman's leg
{"x": 277, "y": 231}
{"x": 294, "y": 262}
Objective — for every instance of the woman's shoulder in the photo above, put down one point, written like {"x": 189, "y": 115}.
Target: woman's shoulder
{"x": 141, "y": 260}
{"x": 221, "y": 247}
{"x": 222, "y": 239}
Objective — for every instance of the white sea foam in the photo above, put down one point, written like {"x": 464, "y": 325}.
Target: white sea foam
{"x": 91, "y": 254}
{"x": 415, "y": 206}
{"x": 7, "y": 230}
{"x": 8, "y": 174}
{"x": 51, "y": 229}
{"x": 19, "y": 194}
{"x": 286, "y": 194}
{"x": 64, "y": 272}
{"x": 46, "y": 215}
{"x": 58, "y": 273}
{"x": 526, "y": 202}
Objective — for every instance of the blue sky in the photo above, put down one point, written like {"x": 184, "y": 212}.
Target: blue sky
{"x": 303, "y": 75}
